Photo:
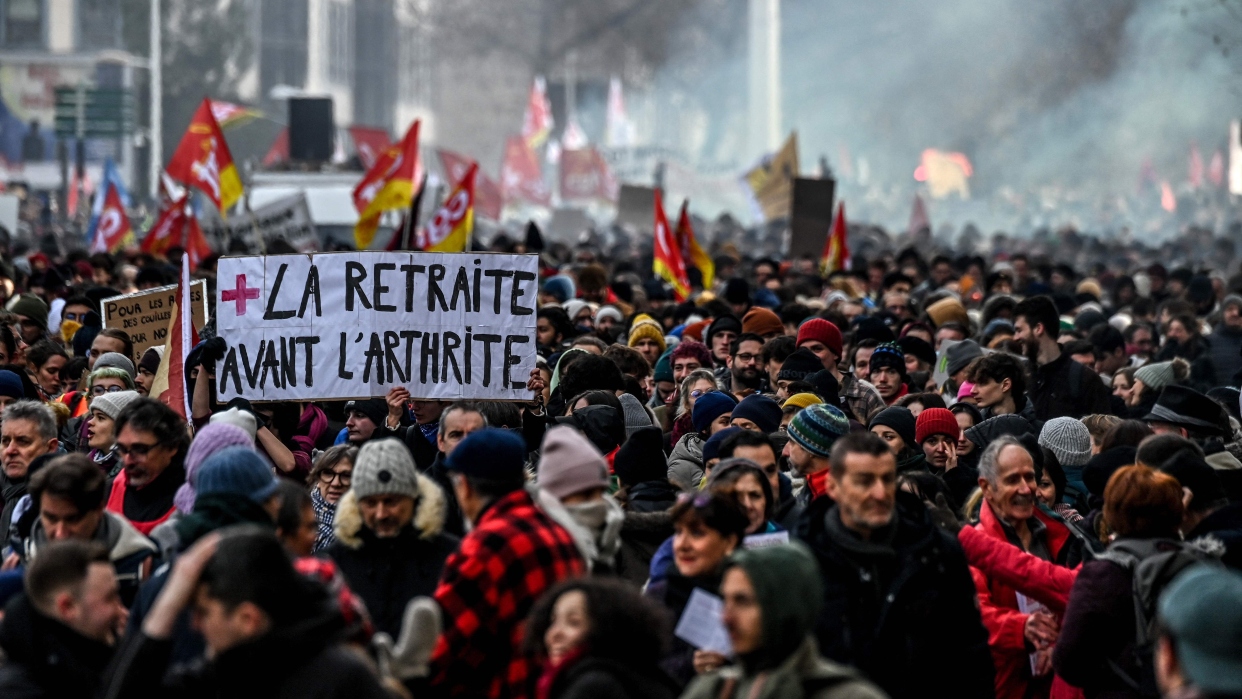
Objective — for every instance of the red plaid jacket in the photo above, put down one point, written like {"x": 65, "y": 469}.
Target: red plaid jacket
{"x": 513, "y": 555}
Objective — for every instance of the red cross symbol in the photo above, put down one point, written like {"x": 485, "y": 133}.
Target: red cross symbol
{"x": 239, "y": 294}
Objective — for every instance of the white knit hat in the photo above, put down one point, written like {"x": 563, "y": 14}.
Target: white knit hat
{"x": 1068, "y": 439}
{"x": 238, "y": 417}
{"x": 111, "y": 404}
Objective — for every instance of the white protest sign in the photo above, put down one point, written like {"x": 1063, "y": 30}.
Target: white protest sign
{"x": 701, "y": 624}
{"x": 287, "y": 219}
{"x": 446, "y": 326}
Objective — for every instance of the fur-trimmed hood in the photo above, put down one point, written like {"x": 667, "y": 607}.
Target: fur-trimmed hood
{"x": 428, "y": 514}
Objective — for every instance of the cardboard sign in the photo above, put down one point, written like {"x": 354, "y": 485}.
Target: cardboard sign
{"x": 145, "y": 315}
{"x": 812, "y": 217}
{"x": 446, "y": 326}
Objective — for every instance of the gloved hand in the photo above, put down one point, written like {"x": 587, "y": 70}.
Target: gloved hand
{"x": 244, "y": 405}
{"x": 410, "y": 656}
{"x": 943, "y": 515}
{"x": 214, "y": 349}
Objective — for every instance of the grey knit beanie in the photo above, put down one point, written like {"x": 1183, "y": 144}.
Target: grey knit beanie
{"x": 384, "y": 467}
{"x": 111, "y": 404}
{"x": 1160, "y": 374}
{"x": 1068, "y": 439}
{"x": 636, "y": 416}
{"x": 117, "y": 360}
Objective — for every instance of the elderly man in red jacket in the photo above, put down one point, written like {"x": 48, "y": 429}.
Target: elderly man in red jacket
{"x": 1021, "y": 632}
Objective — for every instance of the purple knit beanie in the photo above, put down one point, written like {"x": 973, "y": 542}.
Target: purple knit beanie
{"x": 209, "y": 440}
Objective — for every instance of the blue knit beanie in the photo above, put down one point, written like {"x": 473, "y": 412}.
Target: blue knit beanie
{"x": 711, "y": 448}
{"x": 561, "y": 287}
{"x": 761, "y": 410}
{"x": 818, "y": 427}
{"x": 11, "y": 385}
{"x": 236, "y": 470}
{"x": 492, "y": 453}
{"x": 710, "y": 406}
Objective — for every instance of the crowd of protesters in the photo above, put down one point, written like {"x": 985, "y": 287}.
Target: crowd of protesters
{"x": 1012, "y": 475}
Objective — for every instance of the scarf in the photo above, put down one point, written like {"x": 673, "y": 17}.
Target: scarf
{"x": 216, "y": 511}
{"x": 817, "y": 483}
{"x": 325, "y": 513}
{"x": 551, "y": 673}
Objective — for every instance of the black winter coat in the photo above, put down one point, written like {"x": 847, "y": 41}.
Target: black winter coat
{"x": 599, "y": 678}
{"x": 905, "y": 613}
{"x": 45, "y": 658}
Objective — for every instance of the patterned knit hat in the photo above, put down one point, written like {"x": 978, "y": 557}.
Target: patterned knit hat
{"x": 384, "y": 466}
{"x": 816, "y": 428}
{"x": 645, "y": 328}
{"x": 934, "y": 421}
{"x": 212, "y": 438}
{"x": 889, "y": 355}
{"x": 1068, "y": 439}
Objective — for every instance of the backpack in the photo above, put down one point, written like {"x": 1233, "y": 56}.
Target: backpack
{"x": 1152, "y": 564}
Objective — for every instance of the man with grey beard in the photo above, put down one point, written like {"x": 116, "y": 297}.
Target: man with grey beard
{"x": 1016, "y": 626}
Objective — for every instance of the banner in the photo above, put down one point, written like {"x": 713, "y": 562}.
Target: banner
{"x": 585, "y": 175}
{"x": 446, "y": 326}
{"x": 487, "y": 199}
{"x": 288, "y": 218}
{"x": 144, "y": 315}
{"x": 520, "y": 176}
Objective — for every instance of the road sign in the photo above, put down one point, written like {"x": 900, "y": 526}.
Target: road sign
{"x": 105, "y": 112}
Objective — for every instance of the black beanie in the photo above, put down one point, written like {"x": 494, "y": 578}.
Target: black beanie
{"x": 641, "y": 458}
{"x": 901, "y": 420}
{"x": 1102, "y": 466}
{"x": 1194, "y": 473}
{"x": 800, "y": 365}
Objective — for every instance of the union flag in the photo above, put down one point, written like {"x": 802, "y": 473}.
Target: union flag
{"x": 667, "y": 261}
{"x": 389, "y": 184}
{"x": 203, "y": 161}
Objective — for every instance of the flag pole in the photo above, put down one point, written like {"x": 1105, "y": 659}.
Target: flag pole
{"x": 411, "y": 219}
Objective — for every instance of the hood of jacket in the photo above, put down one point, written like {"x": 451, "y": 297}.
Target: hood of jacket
{"x": 115, "y": 532}
{"x": 787, "y": 585}
{"x": 428, "y": 514}
{"x": 595, "y": 545}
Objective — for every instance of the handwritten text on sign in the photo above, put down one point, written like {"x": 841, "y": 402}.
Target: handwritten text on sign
{"x": 144, "y": 315}
{"x": 353, "y": 325}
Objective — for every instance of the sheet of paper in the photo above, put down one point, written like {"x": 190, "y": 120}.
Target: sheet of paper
{"x": 702, "y": 625}
{"x": 1026, "y": 605}
{"x": 758, "y": 541}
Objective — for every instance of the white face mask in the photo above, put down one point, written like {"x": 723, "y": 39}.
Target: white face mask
{"x": 590, "y": 515}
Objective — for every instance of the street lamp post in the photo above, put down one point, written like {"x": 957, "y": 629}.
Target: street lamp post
{"x": 156, "y": 165}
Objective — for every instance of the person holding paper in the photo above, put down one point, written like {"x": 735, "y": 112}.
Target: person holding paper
{"x": 771, "y": 598}
{"x": 707, "y": 528}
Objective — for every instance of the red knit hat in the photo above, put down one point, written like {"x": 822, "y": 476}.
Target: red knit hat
{"x": 821, "y": 330}
{"x": 934, "y": 421}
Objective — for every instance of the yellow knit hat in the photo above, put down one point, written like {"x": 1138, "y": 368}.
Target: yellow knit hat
{"x": 644, "y": 326}
{"x": 801, "y": 401}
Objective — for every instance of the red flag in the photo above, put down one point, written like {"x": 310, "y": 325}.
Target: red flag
{"x": 1195, "y": 171}
{"x": 667, "y": 261}
{"x": 168, "y": 228}
{"x": 537, "y": 123}
{"x": 202, "y": 160}
{"x": 182, "y": 338}
{"x": 389, "y": 184}
{"x": 279, "y": 152}
{"x": 585, "y": 175}
{"x": 836, "y": 255}
{"x": 369, "y": 142}
{"x": 1216, "y": 170}
{"x": 693, "y": 254}
{"x": 520, "y": 176}
{"x": 488, "y": 201}
{"x": 918, "y": 217}
{"x": 113, "y": 229}
{"x": 450, "y": 229}
{"x": 196, "y": 246}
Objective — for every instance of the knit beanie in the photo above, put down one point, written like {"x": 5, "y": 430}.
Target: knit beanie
{"x": 918, "y": 347}
{"x": 238, "y": 418}
{"x": 901, "y": 421}
{"x": 561, "y": 287}
{"x": 664, "y": 368}
{"x": 761, "y": 321}
{"x": 384, "y": 467}
{"x": 641, "y": 458}
{"x": 801, "y": 401}
{"x": 693, "y": 350}
{"x": 710, "y": 406}
{"x": 711, "y": 448}
{"x": 83, "y": 338}
{"x": 889, "y": 355}
{"x": 934, "y": 421}
{"x": 491, "y": 453}
{"x": 150, "y": 360}
{"x": 32, "y": 307}
{"x": 118, "y": 361}
{"x": 1068, "y": 439}
{"x": 608, "y": 312}
{"x": 869, "y": 328}
{"x": 948, "y": 310}
{"x": 694, "y": 331}
{"x": 960, "y": 356}
{"x": 111, "y": 404}
{"x": 1158, "y": 375}
{"x": 736, "y": 291}
{"x": 212, "y": 438}
{"x": 723, "y": 323}
{"x": 636, "y": 417}
{"x": 376, "y": 409}
{"x": 645, "y": 327}
{"x": 569, "y": 463}
{"x": 818, "y": 427}
{"x": 11, "y": 385}
{"x": 965, "y": 390}
{"x": 761, "y": 410}
{"x": 799, "y": 365}
{"x": 237, "y": 471}
{"x": 822, "y": 331}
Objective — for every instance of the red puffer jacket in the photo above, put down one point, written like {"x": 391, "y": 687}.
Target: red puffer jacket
{"x": 998, "y": 604}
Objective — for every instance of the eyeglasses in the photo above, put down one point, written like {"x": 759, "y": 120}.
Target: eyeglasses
{"x": 139, "y": 449}
{"x": 78, "y": 317}
{"x": 744, "y": 357}
{"x": 100, "y": 390}
{"x": 344, "y": 477}
{"x": 700, "y": 392}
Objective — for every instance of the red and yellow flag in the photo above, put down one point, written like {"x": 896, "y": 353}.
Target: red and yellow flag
{"x": 203, "y": 161}
{"x": 112, "y": 228}
{"x": 667, "y": 261}
{"x": 450, "y": 229}
{"x": 389, "y": 184}
{"x": 168, "y": 228}
{"x": 694, "y": 255}
{"x": 836, "y": 255}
